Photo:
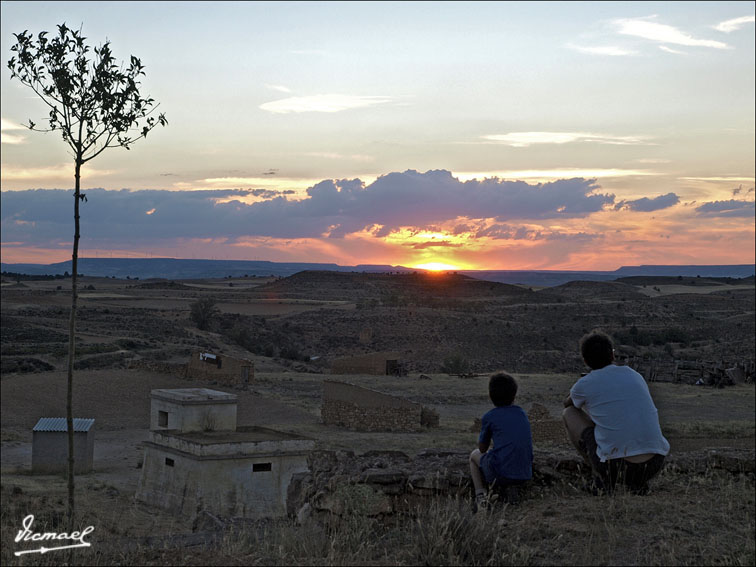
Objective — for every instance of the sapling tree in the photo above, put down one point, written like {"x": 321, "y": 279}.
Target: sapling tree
{"x": 95, "y": 104}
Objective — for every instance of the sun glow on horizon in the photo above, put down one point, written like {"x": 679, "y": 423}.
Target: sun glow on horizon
{"x": 436, "y": 266}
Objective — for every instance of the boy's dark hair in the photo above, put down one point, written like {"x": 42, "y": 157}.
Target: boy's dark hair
{"x": 597, "y": 349}
{"x": 502, "y": 389}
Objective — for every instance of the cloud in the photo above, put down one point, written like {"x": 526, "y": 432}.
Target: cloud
{"x": 610, "y": 50}
{"x": 11, "y": 139}
{"x": 279, "y": 88}
{"x": 723, "y": 178}
{"x": 670, "y": 50}
{"x": 525, "y": 139}
{"x": 433, "y": 244}
{"x": 663, "y": 33}
{"x": 308, "y": 51}
{"x": 9, "y": 125}
{"x": 731, "y": 208}
{"x": 647, "y": 205}
{"x": 323, "y": 103}
{"x": 553, "y": 174}
{"x": 653, "y": 160}
{"x": 508, "y": 232}
{"x": 61, "y": 171}
{"x": 334, "y": 155}
{"x": 735, "y": 24}
{"x": 331, "y": 208}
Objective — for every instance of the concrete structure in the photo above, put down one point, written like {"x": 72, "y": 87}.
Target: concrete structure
{"x": 192, "y": 409}
{"x": 377, "y": 363}
{"x": 50, "y": 445}
{"x": 367, "y": 410}
{"x": 227, "y": 471}
{"x": 223, "y": 369}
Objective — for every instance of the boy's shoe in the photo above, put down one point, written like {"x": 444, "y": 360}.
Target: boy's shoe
{"x": 481, "y": 503}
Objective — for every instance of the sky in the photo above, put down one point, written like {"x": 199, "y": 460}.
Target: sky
{"x": 491, "y": 135}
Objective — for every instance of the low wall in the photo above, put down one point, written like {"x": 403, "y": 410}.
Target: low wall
{"x": 367, "y": 410}
{"x": 544, "y": 428}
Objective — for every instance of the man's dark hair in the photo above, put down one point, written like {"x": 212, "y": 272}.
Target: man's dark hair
{"x": 502, "y": 389}
{"x": 597, "y": 349}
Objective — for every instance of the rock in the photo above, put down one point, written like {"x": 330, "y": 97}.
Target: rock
{"x": 383, "y": 476}
{"x": 304, "y": 513}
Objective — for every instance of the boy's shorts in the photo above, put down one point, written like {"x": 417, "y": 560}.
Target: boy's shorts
{"x": 490, "y": 474}
{"x": 634, "y": 475}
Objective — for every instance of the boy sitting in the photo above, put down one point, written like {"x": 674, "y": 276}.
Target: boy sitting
{"x": 510, "y": 462}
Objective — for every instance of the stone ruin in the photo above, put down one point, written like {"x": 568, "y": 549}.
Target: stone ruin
{"x": 699, "y": 372}
{"x": 363, "y": 409}
{"x": 197, "y": 459}
{"x": 223, "y": 369}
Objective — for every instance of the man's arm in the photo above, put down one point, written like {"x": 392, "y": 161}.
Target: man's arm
{"x": 568, "y": 401}
{"x": 483, "y": 447}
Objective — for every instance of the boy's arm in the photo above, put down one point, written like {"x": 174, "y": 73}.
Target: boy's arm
{"x": 568, "y": 401}
{"x": 483, "y": 447}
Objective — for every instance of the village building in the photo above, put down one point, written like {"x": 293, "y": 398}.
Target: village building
{"x": 197, "y": 458}
{"x": 50, "y": 445}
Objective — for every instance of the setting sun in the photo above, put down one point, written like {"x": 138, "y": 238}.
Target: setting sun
{"x": 436, "y": 266}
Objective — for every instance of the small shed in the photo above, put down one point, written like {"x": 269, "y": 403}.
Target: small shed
{"x": 50, "y": 445}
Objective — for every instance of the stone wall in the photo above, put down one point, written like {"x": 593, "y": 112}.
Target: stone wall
{"x": 544, "y": 428}
{"x": 373, "y": 363}
{"x": 367, "y": 410}
{"x": 382, "y": 483}
{"x": 222, "y": 369}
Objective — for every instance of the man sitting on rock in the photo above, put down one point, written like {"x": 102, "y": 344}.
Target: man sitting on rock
{"x": 510, "y": 462}
{"x": 612, "y": 420}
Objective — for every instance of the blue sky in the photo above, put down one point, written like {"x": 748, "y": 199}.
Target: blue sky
{"x": 651, "y": 105}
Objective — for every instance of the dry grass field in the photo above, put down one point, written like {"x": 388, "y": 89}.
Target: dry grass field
{"x": 693, "y": 516}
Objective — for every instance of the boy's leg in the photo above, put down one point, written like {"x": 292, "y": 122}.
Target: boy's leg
{"x": 475, "y": 473}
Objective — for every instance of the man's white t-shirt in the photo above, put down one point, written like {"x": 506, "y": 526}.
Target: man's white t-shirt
{"x": 617, "y": 399}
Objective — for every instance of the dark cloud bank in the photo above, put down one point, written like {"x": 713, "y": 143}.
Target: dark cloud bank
{"x": 332, "y": 207}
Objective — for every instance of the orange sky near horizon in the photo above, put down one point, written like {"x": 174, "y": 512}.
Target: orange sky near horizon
{"x": 494, "y": 136}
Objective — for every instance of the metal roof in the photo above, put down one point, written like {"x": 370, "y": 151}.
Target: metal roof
{"x": 59, "y": 424}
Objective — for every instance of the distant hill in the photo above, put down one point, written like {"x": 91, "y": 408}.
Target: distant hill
{"x": 175, "y": 269}
{"x": 593, "y": 290}
{"x": 407, "y": 287}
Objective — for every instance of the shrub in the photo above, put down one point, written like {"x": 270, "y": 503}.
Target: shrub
{"x": 203, "y": 311}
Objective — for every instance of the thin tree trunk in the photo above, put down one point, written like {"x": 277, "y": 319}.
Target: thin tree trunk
{"x": 71, "y": 347}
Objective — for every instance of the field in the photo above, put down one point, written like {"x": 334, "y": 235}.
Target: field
{"x": 699, "y": 511}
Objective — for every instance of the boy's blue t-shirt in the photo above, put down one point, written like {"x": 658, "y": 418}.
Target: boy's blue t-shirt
{"x": 512, "y": 454}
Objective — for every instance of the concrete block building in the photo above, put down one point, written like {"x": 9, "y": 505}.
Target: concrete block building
{"x": 228, "y": 470}
{"x": 50, "y": 445}
{"x": 192, "y": 409}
